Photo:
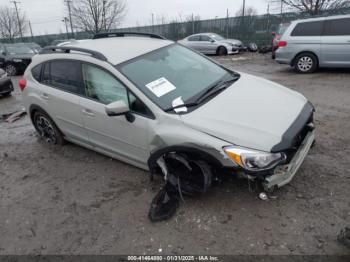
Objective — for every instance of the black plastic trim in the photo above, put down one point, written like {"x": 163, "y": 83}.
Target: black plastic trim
{"x": 152, "y": 161}
{"x": 68, "y": 49}
{"x": 292, "y": 132}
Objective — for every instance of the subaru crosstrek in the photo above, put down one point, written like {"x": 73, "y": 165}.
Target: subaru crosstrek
{"x": 162, "y": 107}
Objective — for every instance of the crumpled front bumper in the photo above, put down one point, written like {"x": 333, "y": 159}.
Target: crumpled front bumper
{"x": 283, "y": 174}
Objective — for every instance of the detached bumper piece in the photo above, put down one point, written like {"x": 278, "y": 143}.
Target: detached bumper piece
{"x": 5, "y": 85}
{"x": 284, "y": 174}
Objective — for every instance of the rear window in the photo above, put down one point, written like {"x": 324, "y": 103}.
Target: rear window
{"x": 337, "y": 27}
{"x": 65, "y": 75}
{"x": 308, "y": 29}
{"x": 36, "y": 72}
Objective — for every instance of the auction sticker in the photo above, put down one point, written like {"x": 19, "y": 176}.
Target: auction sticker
{"x": 160, "y": 87}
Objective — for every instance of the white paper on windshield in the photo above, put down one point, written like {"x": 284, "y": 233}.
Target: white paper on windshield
{"x": 178, "y": 102}
{"x": 160, "y": 87}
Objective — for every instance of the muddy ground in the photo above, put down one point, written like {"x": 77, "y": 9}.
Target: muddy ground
{"x": 69, "y": 200}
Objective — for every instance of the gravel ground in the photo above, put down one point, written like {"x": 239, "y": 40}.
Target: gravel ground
{"x": 69, "y": 200}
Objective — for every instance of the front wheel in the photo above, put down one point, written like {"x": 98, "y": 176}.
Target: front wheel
{"x": 222, "y": 51}
{"x": 305, "y": 63}
{"x": 47, "y": 129}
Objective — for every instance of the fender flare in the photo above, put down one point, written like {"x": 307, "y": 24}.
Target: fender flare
{"x": 192, "y": 151}
{"x": 34, "y": 108}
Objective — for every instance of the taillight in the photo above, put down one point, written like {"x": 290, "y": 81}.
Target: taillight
{"x": 282, "y": 43}
{"x": 22, "y": 84}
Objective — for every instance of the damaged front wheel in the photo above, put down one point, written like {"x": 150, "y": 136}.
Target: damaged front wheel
{"x": 182, "y": 175}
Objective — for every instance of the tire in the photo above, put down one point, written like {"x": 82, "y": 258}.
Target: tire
{"x": 6, "y": 94}
{"x": 11, "y": 70}
{"x": 191, "y": 177}
{"x": 222, "y": 51}
{"x": 47, "y": 129}
{"x": 252, "y": 47}
{"x": 305, "y": 63}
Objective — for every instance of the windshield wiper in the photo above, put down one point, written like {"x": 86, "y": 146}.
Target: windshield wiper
{"x": 216, "y": 88}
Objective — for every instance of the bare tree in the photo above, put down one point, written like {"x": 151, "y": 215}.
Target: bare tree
{"x": 314, "y": 7}
{"x": 249, "y": 11}
{"x": 95, "y": 16}
{"x": 9, "y": 26}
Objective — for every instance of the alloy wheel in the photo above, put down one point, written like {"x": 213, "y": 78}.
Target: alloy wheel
{"x": 11, "y": 70}
{"x": 305, "y": 64}
{"x": 46, "y": 129}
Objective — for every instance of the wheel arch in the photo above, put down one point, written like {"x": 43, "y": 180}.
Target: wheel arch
{"x": 305, "y": 52}
{"x": 221, "y": 46}
{"x": 35, "y": 108}
{"x": 192, "y": 152}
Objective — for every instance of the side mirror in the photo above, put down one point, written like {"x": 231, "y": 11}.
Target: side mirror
{"x": 212, "y": 41}
{"x": 117, "y": 108}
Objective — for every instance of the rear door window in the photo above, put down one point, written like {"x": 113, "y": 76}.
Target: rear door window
{"x": 337, "y": 27}
{"x": 308, "y": 29}
{"x": 205, "y": 38}
{"x": 63, "y": 74}
{"x": 193, "y": 38}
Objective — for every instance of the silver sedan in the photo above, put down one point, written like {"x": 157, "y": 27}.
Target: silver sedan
{"x": 211, "y": 43}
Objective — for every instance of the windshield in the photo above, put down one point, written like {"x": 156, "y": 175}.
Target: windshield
{"x": 217, "y": 37}
{"x": 172, "y": 73}
{"x": 18, "y": 49}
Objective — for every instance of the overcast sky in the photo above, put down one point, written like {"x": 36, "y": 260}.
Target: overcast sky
{"x": 46, "y": 15}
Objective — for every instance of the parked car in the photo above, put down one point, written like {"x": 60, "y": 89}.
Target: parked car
{"x": 60, "y": 41}
{"x": 36, "y": 48}
{"x": 211, "y": 43}
{"x": 151, "y": 102}
{"x": 318, "y": 42}
{"x": 277, "y": 36}
{"x": 72, "y": 42}
{"x": 6, "y": 86}
{"x": 15, "y": 58}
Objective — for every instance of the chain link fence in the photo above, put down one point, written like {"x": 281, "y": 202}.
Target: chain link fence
{"x": 248, "y": 29}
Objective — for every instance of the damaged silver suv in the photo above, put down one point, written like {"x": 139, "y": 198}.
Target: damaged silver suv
{"x": 162, "y": 107}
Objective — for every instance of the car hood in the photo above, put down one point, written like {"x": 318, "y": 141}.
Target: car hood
{"x": 253, "y": 113}
{"x": 232, "y": 41}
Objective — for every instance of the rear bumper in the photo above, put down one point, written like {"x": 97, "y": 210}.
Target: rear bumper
{"x": 284, "y": 174}
{"x": 5, "y": 85}
{"x": 283, "y": 57}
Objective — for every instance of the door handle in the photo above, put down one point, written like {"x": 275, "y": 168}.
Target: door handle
{"x": 45, "y": 96}
{"x": 88, "y": 112}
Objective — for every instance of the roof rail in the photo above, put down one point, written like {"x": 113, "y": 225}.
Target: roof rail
{"x": 68, "y": 49}
{"x": 124, "y": 34}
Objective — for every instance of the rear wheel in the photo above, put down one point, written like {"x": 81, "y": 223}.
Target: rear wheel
{"x": 305, "y": 63}
{"x": 11, "y": 70}
{"x": 47, "y": 128}
{"x": 222, "y": 51}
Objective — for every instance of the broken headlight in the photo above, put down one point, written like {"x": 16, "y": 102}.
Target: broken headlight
{"x": 253, "y": 160}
